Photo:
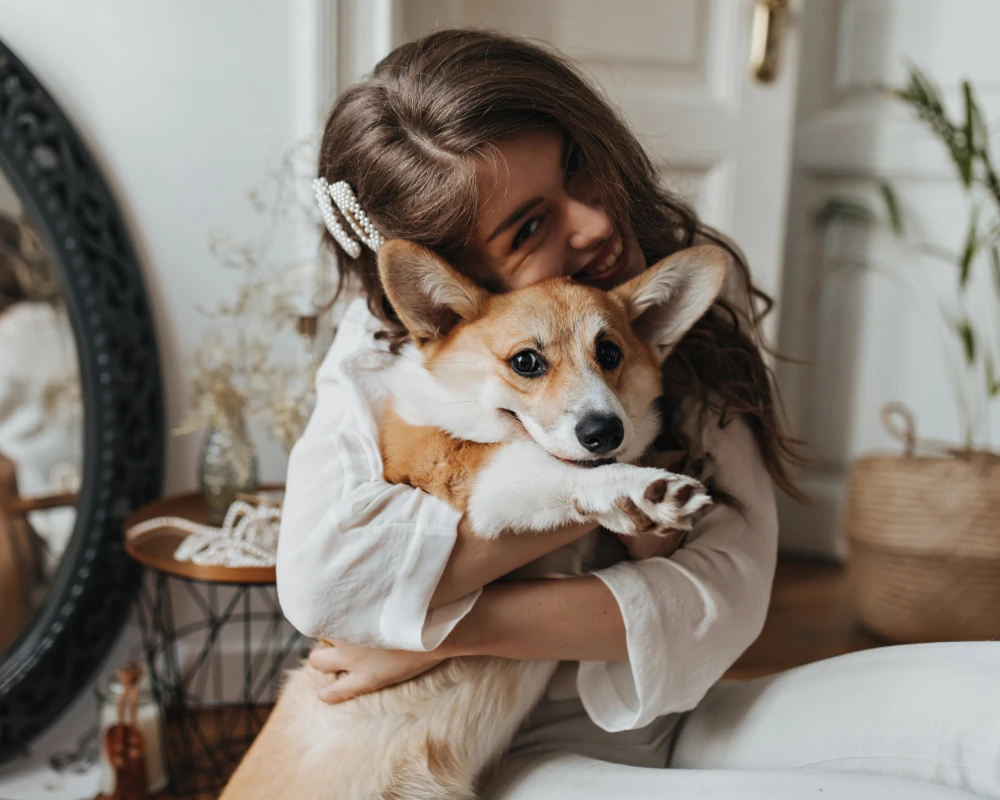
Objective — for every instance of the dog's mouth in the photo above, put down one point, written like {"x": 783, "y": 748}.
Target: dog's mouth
{"x": 588, "y": 463}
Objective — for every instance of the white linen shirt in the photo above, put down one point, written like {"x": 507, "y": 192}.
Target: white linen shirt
{"x": 359, "y": 558}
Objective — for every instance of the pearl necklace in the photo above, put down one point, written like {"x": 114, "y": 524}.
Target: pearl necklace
{"x": 248, "y": 537}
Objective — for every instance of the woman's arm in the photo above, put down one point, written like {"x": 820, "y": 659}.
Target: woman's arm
{"x": 543, "y": 620}
{"x": 652, "y": 636}
{"x": 570, "y": 619}
{"x": 475, "y": 562}
{"x": 688, "y": 618}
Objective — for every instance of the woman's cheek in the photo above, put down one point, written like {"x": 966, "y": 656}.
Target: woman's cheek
{"x": 541, "y": 267}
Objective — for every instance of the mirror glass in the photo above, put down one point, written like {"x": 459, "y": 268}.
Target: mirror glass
{"x": 41, "y": 419}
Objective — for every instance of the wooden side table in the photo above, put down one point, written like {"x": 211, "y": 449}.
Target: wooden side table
{"x": 215, "y": 643}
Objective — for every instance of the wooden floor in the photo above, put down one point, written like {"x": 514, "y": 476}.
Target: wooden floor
{"x": 810, "y": 618}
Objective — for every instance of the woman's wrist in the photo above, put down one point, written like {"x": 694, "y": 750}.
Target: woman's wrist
{"x": 475, "y": 562}
{"x": 477, "y": 633}
{"x": 571, "y": 619}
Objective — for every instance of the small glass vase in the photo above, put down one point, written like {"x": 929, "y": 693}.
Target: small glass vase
{"x": 227, "y": 465}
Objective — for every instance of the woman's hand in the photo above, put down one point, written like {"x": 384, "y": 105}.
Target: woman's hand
{"x": 350, "y": 670}
{"x": 652, "y": 545}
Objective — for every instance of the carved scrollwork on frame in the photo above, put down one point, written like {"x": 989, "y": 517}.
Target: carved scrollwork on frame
{"x": 62, "y": 188}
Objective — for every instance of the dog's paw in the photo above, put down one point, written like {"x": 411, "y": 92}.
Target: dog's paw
{"x": 632, "y": 500}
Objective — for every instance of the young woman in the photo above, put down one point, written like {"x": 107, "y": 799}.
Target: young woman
{"x": 499, "y": 156}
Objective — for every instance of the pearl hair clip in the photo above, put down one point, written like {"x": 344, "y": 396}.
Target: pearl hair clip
{"x": 342, "y": 195}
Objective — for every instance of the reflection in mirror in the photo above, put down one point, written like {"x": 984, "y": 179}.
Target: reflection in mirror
{"x": 41, "y": 420}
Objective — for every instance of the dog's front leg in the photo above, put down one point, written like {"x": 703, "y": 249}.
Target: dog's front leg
{"x": 523, "y": 488}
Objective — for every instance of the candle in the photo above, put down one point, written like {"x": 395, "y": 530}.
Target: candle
{"x": 150, "y": 723}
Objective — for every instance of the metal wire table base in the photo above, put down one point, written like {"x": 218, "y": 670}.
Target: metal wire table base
{"x": 214, "y": 672}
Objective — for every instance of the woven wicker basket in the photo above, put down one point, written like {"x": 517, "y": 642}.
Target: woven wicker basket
{"x": 924, "y": 534}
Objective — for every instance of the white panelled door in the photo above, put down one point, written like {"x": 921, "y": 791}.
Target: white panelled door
{"x": 866, "y": 339}
{"x": 680, "y": 70}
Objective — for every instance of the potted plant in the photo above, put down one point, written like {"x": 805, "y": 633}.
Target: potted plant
{"x": 924, "y": 526}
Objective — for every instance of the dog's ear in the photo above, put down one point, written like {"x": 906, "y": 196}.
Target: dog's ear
{"x": 669, "y": 297}
{"x": 428, "y": 295}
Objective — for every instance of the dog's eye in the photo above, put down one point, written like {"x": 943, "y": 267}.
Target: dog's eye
{"x": 608, "y": 355}
{"x": 527, "y": 363}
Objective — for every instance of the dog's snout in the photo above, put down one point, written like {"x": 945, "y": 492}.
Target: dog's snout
{"x": 600, "y": 433}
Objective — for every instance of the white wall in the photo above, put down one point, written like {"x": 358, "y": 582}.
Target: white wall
{"x": 184, "y": 104}
{"x": 867, "y": 342}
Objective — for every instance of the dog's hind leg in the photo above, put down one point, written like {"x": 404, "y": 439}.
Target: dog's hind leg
{"x": 466, "y": 729}
{"x": 427, "y": 739}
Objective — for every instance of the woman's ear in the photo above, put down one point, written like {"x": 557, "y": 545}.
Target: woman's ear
{"x": 428, "y": 295}
{"x": 672, "y": 295}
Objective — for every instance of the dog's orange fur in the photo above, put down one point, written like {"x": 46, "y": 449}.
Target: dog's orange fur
{"x": 430, "y": 459}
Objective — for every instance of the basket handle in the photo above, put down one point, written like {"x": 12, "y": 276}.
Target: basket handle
{"x": 901, "y": 425}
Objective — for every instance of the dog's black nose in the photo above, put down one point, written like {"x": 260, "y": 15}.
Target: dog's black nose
{"x": 600, "y": 433}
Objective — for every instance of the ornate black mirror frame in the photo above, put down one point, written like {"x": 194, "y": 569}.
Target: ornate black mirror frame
{"x": 62, "y": 188}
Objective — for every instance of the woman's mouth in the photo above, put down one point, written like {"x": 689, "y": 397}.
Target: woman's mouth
{"x": 602, "y": 269}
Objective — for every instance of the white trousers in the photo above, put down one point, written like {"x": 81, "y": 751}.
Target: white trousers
{"x": 916, "y": 721}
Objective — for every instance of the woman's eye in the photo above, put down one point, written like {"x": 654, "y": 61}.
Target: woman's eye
{"x": 527, "y": 363}
{"x": 575, "y": 162}
{"x": 608, "y": 355}
{"x": 526, "y": 231}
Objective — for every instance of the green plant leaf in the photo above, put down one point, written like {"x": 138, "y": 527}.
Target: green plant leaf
{"x": 843, "y": 209}
{"x": 970, "y": 249}
{"x": 936, "y": 251}
{"x": 968, "y": 337}
{"x": 992, "y": 385}
{"x": 995, "y": 260}
{"x": 968, "y": 151}
{"x": 891, "y": 207}
{"x": 981, "y": 130}
{"x": 921, "y": 93}
{"x": 924, "y": 97}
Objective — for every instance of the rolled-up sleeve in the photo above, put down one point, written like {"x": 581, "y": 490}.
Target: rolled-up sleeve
{"x": 689, "y": 617}
{"x": 359, "y": 558}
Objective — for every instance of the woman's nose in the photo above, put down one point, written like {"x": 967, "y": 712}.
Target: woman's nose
{"x": 588, "y": 224}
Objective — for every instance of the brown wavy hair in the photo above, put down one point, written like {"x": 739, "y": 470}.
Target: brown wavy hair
{"x": 409, "y": 140}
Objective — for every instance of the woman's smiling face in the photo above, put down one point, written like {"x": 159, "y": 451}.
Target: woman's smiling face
{"x": 541, "y": 216}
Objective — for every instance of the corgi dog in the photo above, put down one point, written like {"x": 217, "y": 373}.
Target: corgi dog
{"x": 526, "y": 411}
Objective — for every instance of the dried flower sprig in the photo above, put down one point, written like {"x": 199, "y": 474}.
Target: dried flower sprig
{"x": 254, "y": 362}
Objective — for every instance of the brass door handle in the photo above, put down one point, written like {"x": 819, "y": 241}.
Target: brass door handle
{"x": 767, "y": 34}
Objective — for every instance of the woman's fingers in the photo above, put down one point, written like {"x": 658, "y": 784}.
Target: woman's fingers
{"x": 347, "y": 687}
{"x": 326, "y": 659}
{"x": 345, "y": 671}
{"x": 335, "y": 683}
